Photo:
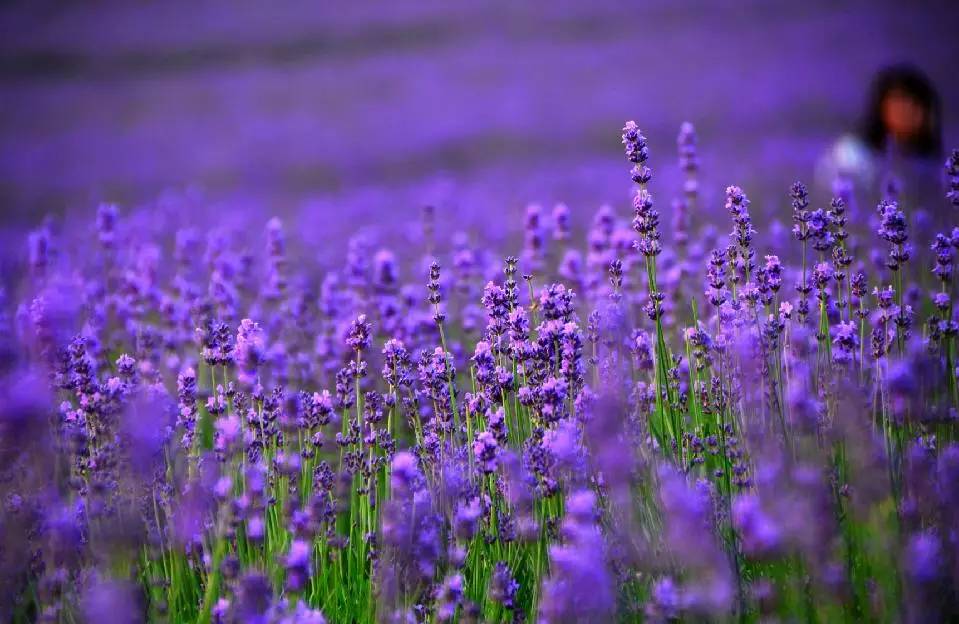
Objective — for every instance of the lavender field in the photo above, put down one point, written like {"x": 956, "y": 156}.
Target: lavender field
{"x": 297, "y": 326}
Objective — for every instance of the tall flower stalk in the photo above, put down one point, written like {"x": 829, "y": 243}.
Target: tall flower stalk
{"x": 646, "y": 226}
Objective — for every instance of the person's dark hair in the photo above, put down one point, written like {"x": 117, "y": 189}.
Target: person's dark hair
{"x": 912, "y": 81}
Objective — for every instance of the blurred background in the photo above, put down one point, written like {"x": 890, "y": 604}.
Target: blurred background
{"x": 359, "y": 113}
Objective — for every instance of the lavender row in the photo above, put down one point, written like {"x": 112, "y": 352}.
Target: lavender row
{"x": 631, "y": 426}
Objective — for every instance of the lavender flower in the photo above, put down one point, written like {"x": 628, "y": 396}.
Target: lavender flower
{"x": 635, "y": 143}
{"x": 298, "y": 565}
{"x": 646, "y": 224}
{"x": 579, "y": 585}
{"x": 485, "y": 448}
{"x": 800, "y": 204}
{"x": 945, "y": 254}
{"x": 846, "y": 339}
{"x": 250, "y": 351}
{"x": 449, "y": 597}
{"x": 358, "y": 336}
{"x": 893, "y": 229}
{"x": 561, "y": 225}
{"x": 742, "y": 257}
{"x": 760, "y": 535}
{"x": 503, "y": 586}
{"x": 952, "y": 178}
{"x": 686, "y": 141}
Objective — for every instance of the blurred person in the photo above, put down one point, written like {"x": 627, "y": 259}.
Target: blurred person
{"x": 899, "y": 142}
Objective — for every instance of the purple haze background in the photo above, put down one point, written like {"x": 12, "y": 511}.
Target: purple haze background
{"x": 356, "y": 114}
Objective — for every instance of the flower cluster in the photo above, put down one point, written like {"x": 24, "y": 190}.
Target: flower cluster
{"x": 644, "y": 428}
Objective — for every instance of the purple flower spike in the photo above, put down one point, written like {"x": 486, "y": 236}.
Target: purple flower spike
{"x": 952, "y": 178}
{"x": 250, "y": 351}
{"x": 486, "y": 451}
